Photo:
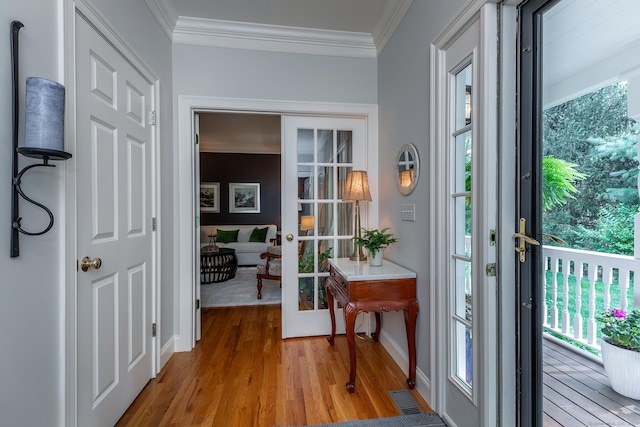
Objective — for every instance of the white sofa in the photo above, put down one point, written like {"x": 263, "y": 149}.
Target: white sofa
{"x": 248, "y": 253}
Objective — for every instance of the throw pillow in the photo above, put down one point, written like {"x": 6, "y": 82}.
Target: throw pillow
{"x": 259, "y": 235}
{"x": 226, "y": 236}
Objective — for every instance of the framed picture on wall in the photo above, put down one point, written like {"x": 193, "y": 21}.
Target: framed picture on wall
{"x": 210, "y": 197}
{"x": 244, "y": 197}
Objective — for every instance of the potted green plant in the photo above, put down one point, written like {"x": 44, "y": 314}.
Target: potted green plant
{"x": 620, "y": 349}
{"x": 375, "y": 241}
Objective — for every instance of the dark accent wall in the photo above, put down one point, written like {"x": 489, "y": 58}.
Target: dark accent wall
{"x": 230, "y": 167}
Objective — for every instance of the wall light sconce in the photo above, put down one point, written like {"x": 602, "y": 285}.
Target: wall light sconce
{"x": 44, "y": 135}
{"x": 356, "y": 190}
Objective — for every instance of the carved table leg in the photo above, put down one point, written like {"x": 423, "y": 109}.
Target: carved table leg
{"x": 376, "y": 335}
{"x": 410, "y": 316}
{"x": 350, "y": 314}
{"x": 329, "y": 288}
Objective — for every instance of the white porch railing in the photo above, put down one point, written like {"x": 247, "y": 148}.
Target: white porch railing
{"x": 567, "y": 308}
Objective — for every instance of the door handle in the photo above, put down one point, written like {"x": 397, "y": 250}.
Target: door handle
{"x": 289, "y": 237}
{"x": 523, "y": 239}
{"x": 87, "y": 263}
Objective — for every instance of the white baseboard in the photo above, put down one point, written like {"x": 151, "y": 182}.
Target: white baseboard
{"x": 167, "y": 351}
{"x": 423, "y": 384}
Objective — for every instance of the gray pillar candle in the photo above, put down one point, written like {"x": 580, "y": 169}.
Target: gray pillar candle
{"x": 44, "y": 114}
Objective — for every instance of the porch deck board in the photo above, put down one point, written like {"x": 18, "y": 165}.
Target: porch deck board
{"x": 577, "y": 392}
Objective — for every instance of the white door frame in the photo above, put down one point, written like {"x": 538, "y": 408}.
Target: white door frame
{"x": 184, "y": 212}
{"x": 102, "y": 26}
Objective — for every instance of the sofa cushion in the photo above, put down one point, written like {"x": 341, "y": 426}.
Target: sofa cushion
{"x": 259, "y": 235}
{"x": 226, "y": 236}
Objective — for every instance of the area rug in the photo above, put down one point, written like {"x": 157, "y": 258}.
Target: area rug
{"x": 241, "y": 290}
{"x": 415, "y": 420}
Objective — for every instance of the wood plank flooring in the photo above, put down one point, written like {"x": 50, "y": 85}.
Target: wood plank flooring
{"x": 242, "y": 373}
{"x": 577, "y": 392}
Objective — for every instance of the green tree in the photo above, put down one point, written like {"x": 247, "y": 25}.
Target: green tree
{"x": 594, "y": 133}
{"x": 558, "y": 179}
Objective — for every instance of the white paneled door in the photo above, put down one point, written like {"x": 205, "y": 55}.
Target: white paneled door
{"x": 318, "y": 152}
{"x": 114, "y": 208}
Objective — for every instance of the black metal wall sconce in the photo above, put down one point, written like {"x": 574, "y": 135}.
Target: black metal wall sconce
{"x": 44, "y": 135}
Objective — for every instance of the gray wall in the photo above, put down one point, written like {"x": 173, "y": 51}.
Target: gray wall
{"x": 236, "y": 73}
{"x": 32, "y": 286}
{"x": 403, "y": 102}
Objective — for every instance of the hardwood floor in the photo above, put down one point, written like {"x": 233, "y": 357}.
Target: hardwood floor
{"x": 243, "y": 374}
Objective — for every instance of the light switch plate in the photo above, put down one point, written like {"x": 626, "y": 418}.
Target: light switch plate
{"x": 408, "y": 212}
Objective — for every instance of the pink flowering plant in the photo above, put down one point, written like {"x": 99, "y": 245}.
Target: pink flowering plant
{"x": 620, "y": 328}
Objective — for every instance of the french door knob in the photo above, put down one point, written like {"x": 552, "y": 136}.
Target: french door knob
{"x": 87, "y": 263}
{"x": 289, "y": 237}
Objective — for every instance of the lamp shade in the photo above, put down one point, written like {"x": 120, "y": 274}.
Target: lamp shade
{"x": 357, "y": 187}
{"x": 44, "y": 114}
{"x": 307, "y": 222}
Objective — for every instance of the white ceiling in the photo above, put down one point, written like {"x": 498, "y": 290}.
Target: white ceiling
{"x": 340, "y": 15}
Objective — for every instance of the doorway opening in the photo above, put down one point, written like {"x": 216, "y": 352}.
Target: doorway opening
{"x": 578, "y": 184}
{"x": 238, "y": 150}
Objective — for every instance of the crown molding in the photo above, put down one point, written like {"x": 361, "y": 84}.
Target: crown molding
{"x": 165, "y": 13}
{"x": 389, "y": 20}
{"x": 276, "y": 38}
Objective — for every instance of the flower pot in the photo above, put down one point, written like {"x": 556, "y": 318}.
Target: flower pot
{"x": 375, "y": 259}
{"x": 623, "y": 369}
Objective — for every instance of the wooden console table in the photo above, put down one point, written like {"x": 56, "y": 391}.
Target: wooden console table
{"x": 362, "y": 288}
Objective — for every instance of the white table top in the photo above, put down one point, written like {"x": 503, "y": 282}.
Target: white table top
{"x": 354, "y": 270}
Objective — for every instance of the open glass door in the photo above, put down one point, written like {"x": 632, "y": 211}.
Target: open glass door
{"x": 316, "y": 224}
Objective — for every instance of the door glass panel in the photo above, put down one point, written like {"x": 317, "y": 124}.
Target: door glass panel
{"x": 305, "y": 182}
{"x": 325, "y": 182}
{"x": 463, "y": 97}
{"x": 305, "y": 145}
{"x": 461, "y": 285}
{"x": 325, "y": 146}
{"x": 464, "y": 353}
{"x": 345, "y": 146}
{"x": 323, "y": 217}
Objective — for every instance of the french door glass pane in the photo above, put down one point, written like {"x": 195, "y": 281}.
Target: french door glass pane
{"x": 463, "y": 97}
{"x": 464, "y": 353}
{"x": 305, "y": 182}
{"x": 461, "y": 307}
{"x": 325, "y": 146}
{"x": 305, "y": 145}
{"x": 325, "y": 182}
{"x": 345, "y": 146}
{"x": 324, "y": 159}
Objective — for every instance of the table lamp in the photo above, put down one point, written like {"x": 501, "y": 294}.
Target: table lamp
{"x": 307, "y": 223}
{"x": 356, "y": 190}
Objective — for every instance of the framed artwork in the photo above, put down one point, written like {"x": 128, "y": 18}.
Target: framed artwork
{"x": 210, "y": 197}
{"x": 244, "y": 197}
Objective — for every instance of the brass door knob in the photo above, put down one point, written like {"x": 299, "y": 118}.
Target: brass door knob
{"x": 87, "y": 263}
{"x": 289, "y": 237}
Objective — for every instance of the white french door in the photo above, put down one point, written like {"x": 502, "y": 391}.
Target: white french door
{"x": 318, "y": 152}
{"x": 466, "y": 206}
{"x": 114, "y": 170}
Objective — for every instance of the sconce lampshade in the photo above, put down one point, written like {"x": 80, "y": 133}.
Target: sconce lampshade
{"x": 357, "y": 187}
{"x": 406, "y": 176}
{"x": 307, "y": 222}
{"x": 44, "y": 114}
